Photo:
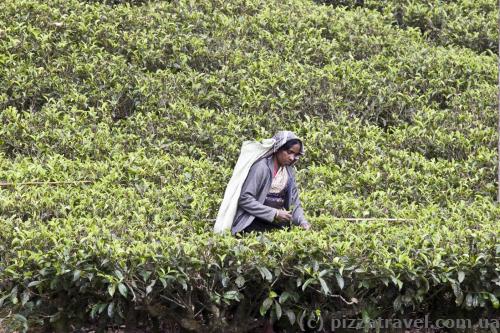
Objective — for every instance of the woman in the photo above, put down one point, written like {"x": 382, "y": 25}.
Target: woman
{"x": 269, "y": 199}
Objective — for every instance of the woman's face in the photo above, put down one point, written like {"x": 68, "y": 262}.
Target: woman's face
{"x": 288, "y": 156}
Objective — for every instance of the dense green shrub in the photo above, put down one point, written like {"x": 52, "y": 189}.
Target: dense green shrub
{"x": 465, "y": 23}
{"x": 151, "y": 101}
{"x": 213, "y": 283}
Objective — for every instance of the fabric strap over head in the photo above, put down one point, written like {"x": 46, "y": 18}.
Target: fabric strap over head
{"x": 251, "y": 151}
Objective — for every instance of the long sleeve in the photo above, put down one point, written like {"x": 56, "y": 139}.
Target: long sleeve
{"x": 298, "y": 217}
{"x": 252, "y": 189}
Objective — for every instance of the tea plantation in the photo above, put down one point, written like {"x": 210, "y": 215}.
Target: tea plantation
{"x": 150, "y": 101}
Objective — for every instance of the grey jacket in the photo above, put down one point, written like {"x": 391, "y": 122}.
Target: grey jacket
{"x": 254, "y": 192}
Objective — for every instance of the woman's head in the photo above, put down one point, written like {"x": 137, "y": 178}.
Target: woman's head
{"x": 289, "y": 153}
{"x": 286, "y": 143}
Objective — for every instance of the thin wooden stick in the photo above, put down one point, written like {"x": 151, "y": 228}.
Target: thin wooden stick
{"x": 47, "y": 183}
{"x": 370, "y": 219}
{"x": 356, "y": 219}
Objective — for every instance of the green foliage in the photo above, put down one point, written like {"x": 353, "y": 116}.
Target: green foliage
{"x": 151, "y": 101}
{"x": 465, "y": 23}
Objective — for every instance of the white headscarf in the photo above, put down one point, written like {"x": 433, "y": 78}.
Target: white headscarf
{"x": 280, "y": 138}
{"x": 251, "y": 151}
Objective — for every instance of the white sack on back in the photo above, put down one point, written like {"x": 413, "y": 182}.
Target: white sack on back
{"x": 250, "y": 152}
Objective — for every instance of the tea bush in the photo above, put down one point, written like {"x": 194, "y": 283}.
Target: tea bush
{"x": 150, "y": 101}
{"x": 466, "y": 23}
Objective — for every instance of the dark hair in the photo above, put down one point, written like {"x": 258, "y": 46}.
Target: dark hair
{"x": 290, "y": 143}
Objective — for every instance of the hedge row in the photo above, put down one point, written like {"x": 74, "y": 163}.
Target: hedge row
{"x": 129, "y": 48}
{"x": 464, "y": 23}
{"x": 119, "y": 272}
{"x": 151, "y": 103}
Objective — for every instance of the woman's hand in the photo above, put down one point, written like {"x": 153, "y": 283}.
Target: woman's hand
{"x": 283, "y": 216}
{"x": 305, "y": 226}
